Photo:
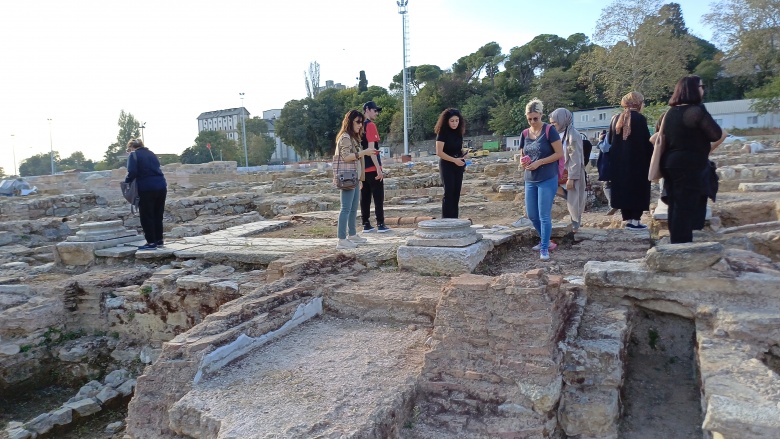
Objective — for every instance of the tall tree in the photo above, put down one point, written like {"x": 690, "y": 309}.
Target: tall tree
{"x": 470, "y": 67}
{"x": 767, "y": 98}
{"x": 640, "y": 52}
{"x": 260, "y": 146}
{"x": 312, "y": 78}
{"x": 39, "y": 164}
{"x": 129, "y": 128}
{"x": 221, "y": 146}
{"x": 362, "y": 82}
{"x": 76, "y": 161}
{"x": 749, "y": 31}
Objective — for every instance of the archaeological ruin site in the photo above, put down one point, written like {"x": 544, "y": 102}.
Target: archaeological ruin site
{"x": 248, "y": 323}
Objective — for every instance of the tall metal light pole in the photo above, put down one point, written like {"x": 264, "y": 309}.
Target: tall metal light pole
{"x": 143, "y": 125}
{"x": 243, "y": 131}
{"x": 13, "y": 148}
{"x": 51, "y": 148}
{"x": 402, "y": 10}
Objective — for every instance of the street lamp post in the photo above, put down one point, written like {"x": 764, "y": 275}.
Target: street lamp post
{"x": 13, "y": 149}
{"x": 243, "y": 131}
{"x": 51, "y": 149}
{"x": 143, "y": 125}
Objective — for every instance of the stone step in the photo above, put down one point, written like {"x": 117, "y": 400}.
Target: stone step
{"x": 324, "y": 379}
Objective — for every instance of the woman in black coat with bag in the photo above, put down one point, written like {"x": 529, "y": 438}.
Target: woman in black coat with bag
{"x": 630, "y": 160}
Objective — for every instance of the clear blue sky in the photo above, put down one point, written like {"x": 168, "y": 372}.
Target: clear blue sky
{"x": 80, "y": 62}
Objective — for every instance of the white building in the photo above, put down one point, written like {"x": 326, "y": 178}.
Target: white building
{"x": 737, "y": 114}
{"x": 282, "y": 152}
{"x": 592, "y": 121}
{"x": 223, "y": 120}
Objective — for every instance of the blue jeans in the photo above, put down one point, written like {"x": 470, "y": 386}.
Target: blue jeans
{"x": 349, "y": 206}
{"x": 539, "y": 198}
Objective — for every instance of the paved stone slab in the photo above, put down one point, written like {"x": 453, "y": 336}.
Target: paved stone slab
{"x": 321, "y": 380}
{"x": 115, "y": 252}
{"x": 759, "y": 187}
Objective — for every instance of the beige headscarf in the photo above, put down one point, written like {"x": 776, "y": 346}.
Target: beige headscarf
{"x": 631, "y": 101}
{"x": 563, "y": 118}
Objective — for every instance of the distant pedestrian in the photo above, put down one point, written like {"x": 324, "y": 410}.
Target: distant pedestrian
{"x": 373, "y": 186}
{"x": 691, "y": 134}
{"x": 449, "y": 130}
{"x": 563, "y": 121}
{"x": 541, "y": 149}
{"x": 144, "y": 167}
{"x": 630, "y": 160}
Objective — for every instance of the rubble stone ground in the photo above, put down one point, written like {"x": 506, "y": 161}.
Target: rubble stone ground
{"x": 245, "y": 253}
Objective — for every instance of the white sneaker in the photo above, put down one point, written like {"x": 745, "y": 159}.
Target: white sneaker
{"x": 345, "y": 244}
{"x": 357, "y": 239}
{"x": 522, "y": 222}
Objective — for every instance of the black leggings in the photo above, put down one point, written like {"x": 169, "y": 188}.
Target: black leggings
{"x": 151, "y": 207}
{"x": 372, "y": 188}
{"x": 452, "y": 179}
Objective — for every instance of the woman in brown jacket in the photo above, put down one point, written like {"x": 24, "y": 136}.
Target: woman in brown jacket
{"x": 348, "y": 148}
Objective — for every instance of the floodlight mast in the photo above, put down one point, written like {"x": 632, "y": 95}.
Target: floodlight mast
{"x": 404, "y": 20}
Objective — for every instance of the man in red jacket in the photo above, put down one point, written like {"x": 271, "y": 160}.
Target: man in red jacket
{"x": 373, "y": 186}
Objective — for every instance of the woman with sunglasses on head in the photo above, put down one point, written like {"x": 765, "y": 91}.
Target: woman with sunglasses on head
{"x": 563, "y": 121}
{"x": 690, "y": 135}
{"x": 630, "y": 160}
{"x": 144, "y": 167}
{"x": 541, "y": 148}
{"x": 449, "y": 131}
{"x": 348, "y": 149}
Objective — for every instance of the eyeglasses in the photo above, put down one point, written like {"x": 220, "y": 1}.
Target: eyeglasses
{"x": 533, "y": 119}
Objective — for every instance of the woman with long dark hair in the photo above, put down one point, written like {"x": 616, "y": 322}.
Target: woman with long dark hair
{"x": 348, "y": 149}
{"x": 144, "y": 167}
{"x": 691, "y": 134}
{"x": 630, "y": 160}
{"x": 449, "y": 131}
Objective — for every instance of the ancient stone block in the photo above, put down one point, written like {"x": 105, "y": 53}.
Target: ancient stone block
{"x": 443, "y": 260}
{"x": 84, "y": 407}
{"x": 683, "y": 257}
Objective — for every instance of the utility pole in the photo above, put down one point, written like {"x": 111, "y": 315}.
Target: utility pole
{"x": 404, "y": 22}
{"x": 143, "y": 125}
{"x": 13, "y": 148}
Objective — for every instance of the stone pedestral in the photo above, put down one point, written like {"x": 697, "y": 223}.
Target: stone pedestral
{"x": 443, "y": 246}
{"x": 80, "y": 249}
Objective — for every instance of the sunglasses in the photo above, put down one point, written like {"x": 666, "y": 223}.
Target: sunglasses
{"x": 533, "y": 119}
{"x": 358, "y": 121}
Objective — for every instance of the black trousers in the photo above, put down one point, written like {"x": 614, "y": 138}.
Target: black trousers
{"x": 151, "y": 208}
{"x": 452, "y": 179}
{"x": 687, "y": 203}
{"x": 372, "y": 188}
{"x": 631, "y": 214}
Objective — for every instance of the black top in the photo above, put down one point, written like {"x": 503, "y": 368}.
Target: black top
{"x": 689, "y": 130}
{"x": 453, "y": 142}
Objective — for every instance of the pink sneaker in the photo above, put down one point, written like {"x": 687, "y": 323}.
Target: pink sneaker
{"x": 550, "y": 246}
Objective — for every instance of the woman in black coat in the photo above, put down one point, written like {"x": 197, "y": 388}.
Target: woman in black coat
{"x": 630, "y": 160}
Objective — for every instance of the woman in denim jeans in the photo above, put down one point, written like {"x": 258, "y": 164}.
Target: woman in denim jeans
{"x": 542, "y": 145}
{"x": 348, "y": 148}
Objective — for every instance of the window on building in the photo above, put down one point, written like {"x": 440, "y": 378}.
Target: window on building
{"x": 752, "y": 120}
{"x": 602, "y": 116}
{"x": 515, "y": 142}
{"x": 584, "y": 118}
{"x": 719, "y": 122}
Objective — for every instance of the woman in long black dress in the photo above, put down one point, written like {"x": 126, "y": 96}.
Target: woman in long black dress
{"x": 449, "y": 131}
{"x": 630, "y": 160}
{"x": 691, "y": 134}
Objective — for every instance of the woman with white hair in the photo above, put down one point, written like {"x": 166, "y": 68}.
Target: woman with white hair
{"x": 563, "y": 121}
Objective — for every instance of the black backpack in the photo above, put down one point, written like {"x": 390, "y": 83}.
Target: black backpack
{"x": 587, "y": 147}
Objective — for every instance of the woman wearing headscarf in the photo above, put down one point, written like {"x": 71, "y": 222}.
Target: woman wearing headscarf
{"x": 563, "y": 121}
{"x": 691, "y": 134}
{"x": 630, "y": 161}
{"x": 144, "y": 167}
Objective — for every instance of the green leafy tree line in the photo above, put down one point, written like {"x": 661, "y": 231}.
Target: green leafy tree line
{"x": 645, "y": 47}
